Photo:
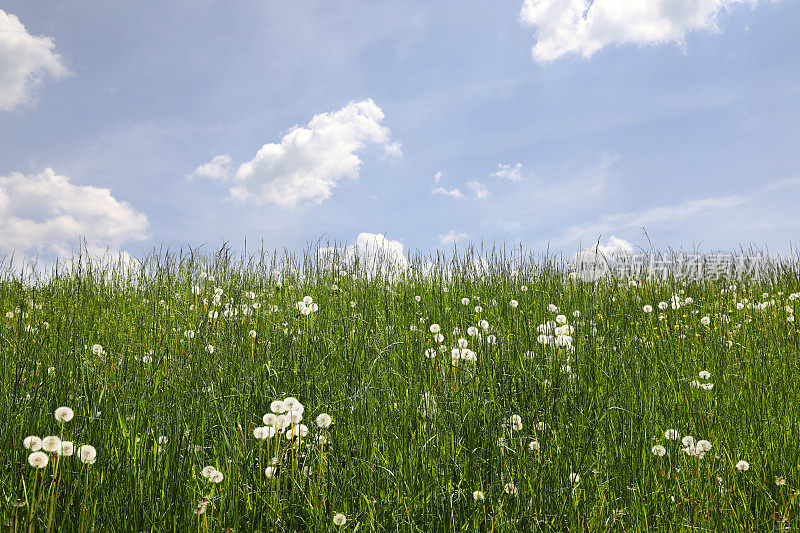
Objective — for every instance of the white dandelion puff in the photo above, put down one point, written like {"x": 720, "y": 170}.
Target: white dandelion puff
{"x": 87, "y": 454}
{"x": 323, "y": 420}
{"x": 38, "y": 459}
{"x": 32, "y": 443}
{"x": 67, "y": 448}
{"x": 51, "y": 444}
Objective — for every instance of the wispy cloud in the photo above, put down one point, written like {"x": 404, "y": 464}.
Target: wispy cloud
{"x": 479, "y": 189}
{"x": 508, "y": 172}
{"x": 451, "y": 238}
{"x": 656, "y": 215}
{"x": 510, "y": 226}
{"x": 455, "y": 193}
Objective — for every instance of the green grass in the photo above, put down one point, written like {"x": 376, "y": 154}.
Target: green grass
{"x": 412, "y": 437}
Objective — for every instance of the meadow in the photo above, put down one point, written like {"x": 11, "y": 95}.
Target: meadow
{"x": 270, "y": 392}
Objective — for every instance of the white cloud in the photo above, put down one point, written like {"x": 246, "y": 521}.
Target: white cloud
{"x": 455, "y": 193}
{"x": 309, "y": 162}
{"x": 451, "y": 238}
{"x": 438, "y": 177}
{"x": 654, "y": 215}
{"x": 373, "y": 251}
{"x": 614, "y": 247}
{"x": 510, "y": 226}
{"x": 480, "y": 190}
{"x": 24, "y": 60}
{"x": 584, "y": 26}
{"x": 216, "y": 169}
{"x": 593, "y": 262}
{"x": 45, "y": 213}
{"x": 508, "y": 172}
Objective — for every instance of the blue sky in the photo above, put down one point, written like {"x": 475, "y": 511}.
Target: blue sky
{"x": 683, "y": 123}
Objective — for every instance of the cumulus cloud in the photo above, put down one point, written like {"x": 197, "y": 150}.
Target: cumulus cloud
{"x": 24, "y": 61}
{"x": 508, "y": 172}
{"x": 309, "y": 162}
{"x": 438, "y": 177}
{"x": 455, "y": 193}
{"x": 372, "y": 251}
{"x": 584, "y": 26}
{"x": 451, "y": 238}
{"x": 45, "y": 213}
{"x": 614, "y": 247}
{"x": 593, "y": 262}
{"x": 216, "y": 169}
{"x": 480, "y": 190}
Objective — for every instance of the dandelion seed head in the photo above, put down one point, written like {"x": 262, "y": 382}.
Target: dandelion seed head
{"x": 32, "y": 443}
{"x": 51, "y": 444}
{"x": 292, "y": 404}
{"x": 323, "y": 420}
{"x": 703, "y": 445}
{"x": 38, "y": 459}
{"x": 87, "y": 454}
{"x": 67, "y": 448}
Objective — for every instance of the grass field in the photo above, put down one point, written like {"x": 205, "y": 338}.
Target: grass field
{"x": 502, "y": 397}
